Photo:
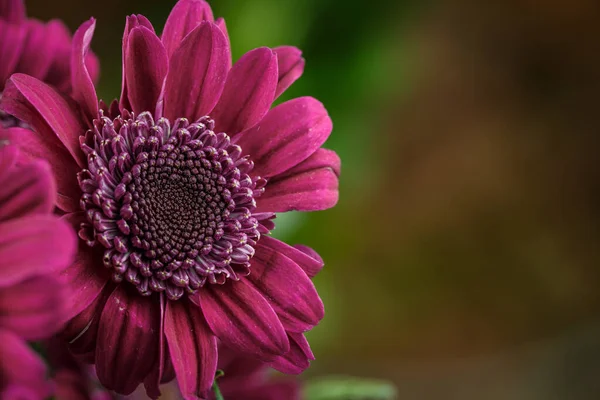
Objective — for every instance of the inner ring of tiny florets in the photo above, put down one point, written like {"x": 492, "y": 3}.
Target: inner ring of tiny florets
{"x": 172, "y": 205}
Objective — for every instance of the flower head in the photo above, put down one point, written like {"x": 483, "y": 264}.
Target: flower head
{"x": 42, "y": 50}
{"x": 173, "y": 190}
{"x": 34, "y": 247}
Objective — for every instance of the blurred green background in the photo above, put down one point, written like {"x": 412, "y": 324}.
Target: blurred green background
{"x": 462, "y": 258}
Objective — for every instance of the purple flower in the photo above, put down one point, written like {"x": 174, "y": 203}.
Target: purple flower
{"x": 174, "y": 189}
{"x": 42, "y": 50}
{"x": 35, "y": 246}
{"x": 247, "y": 378}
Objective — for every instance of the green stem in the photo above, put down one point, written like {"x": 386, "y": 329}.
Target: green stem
{"x": 218, "y": 395}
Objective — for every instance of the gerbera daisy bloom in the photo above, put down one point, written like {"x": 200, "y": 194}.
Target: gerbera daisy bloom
{"x": 39, "y": 49}
{"x": 34, "y": 247}
{"x": 173, "y": 190}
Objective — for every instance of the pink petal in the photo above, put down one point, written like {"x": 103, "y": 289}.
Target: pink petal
{"x": 26, "y": 189}
{"x": 64, "y": 169}
{"x": 193, "y": 348}
{"x": 128, "y": 340}
{"x": 38, "y": 50}
{"x": 11, "y": 46}
{"x": 310, "y": 186}
{"x": 12, "y": 11}
{"x": 249, "y": 92}
{"x": 184, "y": 18}
{"x": 197, "y": 73}
{"x": 34, "y": 245}
{"x": 297, "y": 359}
{"x": 59, "y": 72}
{"x": 153, "y": 379}
{"x": 81, "y": 81}
{"x": 34, "y": 308}
{"x": 306, "y": 258}
{"x": 288, "y": 289}
{"x": 21, "y": 368}
{"x": 291, "y": 67}
{"x": 243, "y": 319}
{"x": 86, "y": 275}
{"x": 146, "y": 66}
{"x": 132, "y": 21}
{"x": 42, "y": 107}
{"x": 288, "y": 135}
{"x": 220, "y": 22}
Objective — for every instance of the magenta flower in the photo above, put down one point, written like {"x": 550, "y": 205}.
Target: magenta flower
{"x": 42, "y": 50}
{"x": 248, "y": 378}
{"x": 173, "y": 190}
{"x": 34, "y": 247}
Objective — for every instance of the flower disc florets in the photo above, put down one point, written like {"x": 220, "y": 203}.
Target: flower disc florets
{"x": 171, "y": 205}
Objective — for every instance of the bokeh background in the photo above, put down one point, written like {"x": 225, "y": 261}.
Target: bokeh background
{"x": 463, "y": 257}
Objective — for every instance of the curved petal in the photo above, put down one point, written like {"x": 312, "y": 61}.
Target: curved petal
{"x": 162, "y": 364}
{"x": 220, "y": 22}
{"x": 288, "y": 135}
{"x": 128, "y": 340}
{"x": 193, "y": 348}
{"x": 146, "y": 66}
{"x": 34, "y": 245}
{"x": 243, "y": 319}
{"x": 291, "y": 67}
{"x": 84, "y": 91}
{"x": 86, "y": 275}
{"x": 59, "y": 72}
{"x": 25, "y": 189}
{"x": 12, "y": 11}
{"x": 132, "y": 21}
{"x": 21, "y": 368}
{"x": 306, "y": 258}
{"x": 42, "y": 107}
{"x": 287, "y": 287}
{"x": 64, "y": 169}
{"x": 197, "y": 73}
{"x": 248, "y": 93}
{"x": 310, "y": 186}
{"x": 297, "y": 359}
{"x": 38, "y": 50}
{"x": 185, "y": 16}
{"x": 34, "y": 308}
{"x": 11, "y": 46}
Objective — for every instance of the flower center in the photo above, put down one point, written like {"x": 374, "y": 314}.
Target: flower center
{"x": 172, "y": 206}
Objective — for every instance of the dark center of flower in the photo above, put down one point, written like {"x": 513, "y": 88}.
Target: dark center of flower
{"x": 8, "y": 121}
{"x": 172, "y": 205}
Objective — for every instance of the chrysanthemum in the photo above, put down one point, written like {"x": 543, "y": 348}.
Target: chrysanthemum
{"x": 32, "y": 47}
{"x": 173, "y": 190}
{"x": 34, "y": 248}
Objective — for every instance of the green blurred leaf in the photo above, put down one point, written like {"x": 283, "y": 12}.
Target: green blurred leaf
{"x": 348, "y": 388}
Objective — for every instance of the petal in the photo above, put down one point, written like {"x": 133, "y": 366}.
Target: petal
{"x": 64, "y": 169}
{"x": 128, "y": 340}
{"x": 145, "y": 67}
{"x": 12, "y": 10}
{"x": 84, "y": 91}
{"x": 287, "y": 287}
{"x": 197, "y": 73}
{"x": 243, "y": 319}
{"x": 42, "y": 107}
{"x": 38, "y": 50}
{"x": 25, "y": 189}
{"x": 34, "y": 308}
{"x": 11, "y": 46}
{"x": 193, "y": 348}
{"x": 310, "y": 186}
{"x": 59, "y": 72}
{"x": 291, "y": 67}
{"x": 288, "y": 135}
{"x": 153, "y": 380}
{"x": 34, "y": 245}
{"x": 306, "y": 258}
{"x": 132, "y": 21}
{"x": 184, "y": 18}
{"x": 249, "y": 92}
{"x": 297, "y": 359}
{"x": 21, "y": 367}
{"x": 86, "y": 276}
{"x": 220, "y": 22}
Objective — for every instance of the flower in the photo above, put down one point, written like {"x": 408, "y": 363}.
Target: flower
{"x": 42, "y": 50}
{"x": 173, "y": 190}
{"x": 34, "y": 247}
{"x": 246, "y": 378}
